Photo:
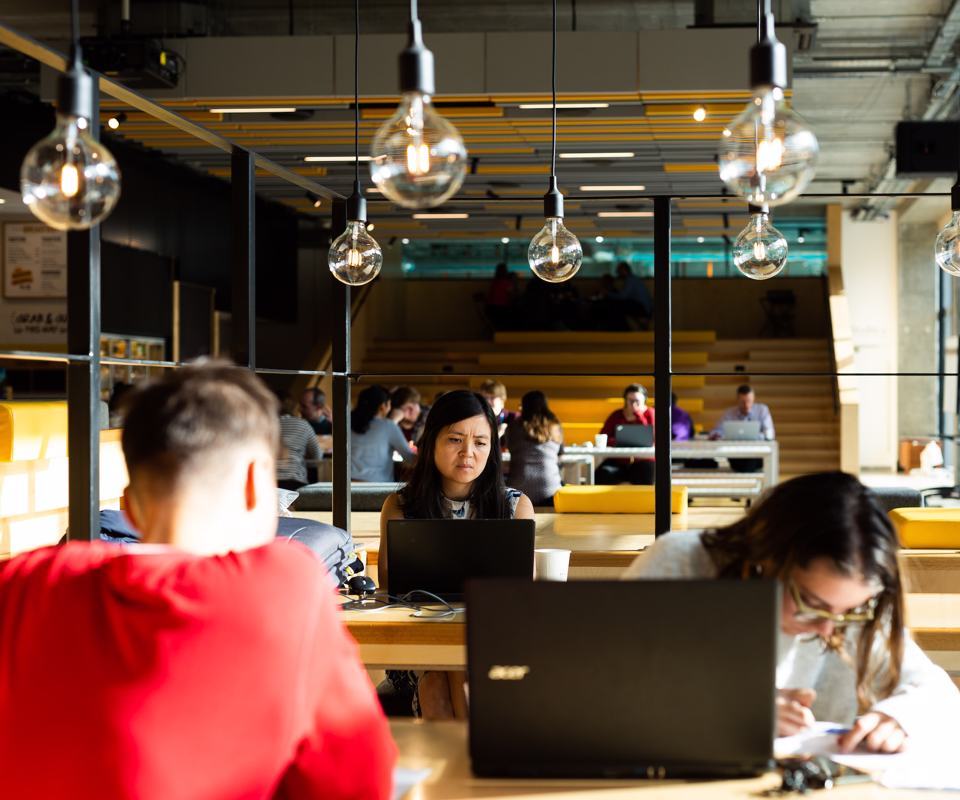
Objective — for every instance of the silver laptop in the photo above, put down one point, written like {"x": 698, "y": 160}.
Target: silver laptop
{"x": 622, "y": 679}
{"x": 741, "y": 429}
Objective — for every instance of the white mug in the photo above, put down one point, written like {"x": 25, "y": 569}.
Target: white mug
{"x": 600, "y": 440}
{"x": 550, "y": 564}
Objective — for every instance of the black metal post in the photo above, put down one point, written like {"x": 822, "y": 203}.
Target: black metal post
{"x": 942, "y": 288}
{"x": 83, "y": 378}
{"x": 340, "y": 347}
{"x": 662, "y": 364}
{"x": 243, "y": 286}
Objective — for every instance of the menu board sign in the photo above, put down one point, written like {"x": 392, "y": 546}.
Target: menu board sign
{"x": 34, "y": 261}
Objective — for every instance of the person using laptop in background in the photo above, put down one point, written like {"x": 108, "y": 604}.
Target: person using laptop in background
{"x": 844, "y": 655}
{"x": 746, "y": 410}
{"x": 459, "y": 475}
{"x": 634, "y": 412}
{"x": 210, "y": 661}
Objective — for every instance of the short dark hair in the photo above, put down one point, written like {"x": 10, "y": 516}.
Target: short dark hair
{"x": 744, "y": 388}
{"x": 194, "y": 412}
{"x": 317, "y": 395}
{"x": 401, "y": 395}
{"x": 368, "y": 404}
{"x": 634, "y": 387}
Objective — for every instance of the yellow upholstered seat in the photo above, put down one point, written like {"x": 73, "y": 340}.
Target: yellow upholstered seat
{"x": 615, "y": 499}
{"x": 928, "y": 527}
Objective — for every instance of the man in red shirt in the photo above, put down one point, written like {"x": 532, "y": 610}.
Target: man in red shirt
{"x": 209, "y": 662}
{"x": 634, "y": 412}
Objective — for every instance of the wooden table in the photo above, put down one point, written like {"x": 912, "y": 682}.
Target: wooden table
{"x": 441, "y": 747}
{"x": 393, "y": 638}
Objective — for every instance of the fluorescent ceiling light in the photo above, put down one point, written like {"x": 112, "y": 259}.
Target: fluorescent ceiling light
{"x": 255, "y": 110}
{"x": 612, "y": 214}
{"x": 332, "y": 159}
{"x": 374, "y": 190}
{"x": 564, "y": 105}
{"x": 596, "y": 155}
{"x": 441, "y": 216}
{"x": 601, "y": 188}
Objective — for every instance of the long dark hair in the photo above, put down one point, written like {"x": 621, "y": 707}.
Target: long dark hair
{"x": 539, "y": 422}
{"x": 422, "y": 497}
{"x": 368, "y": 403}
{"x": 825, "y": 515}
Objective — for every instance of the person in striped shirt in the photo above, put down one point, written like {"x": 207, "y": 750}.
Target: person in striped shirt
{"x": 298, "y": 443}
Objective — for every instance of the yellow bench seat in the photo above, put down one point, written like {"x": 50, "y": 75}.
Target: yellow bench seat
{"x": 928, "y": 528}
{"x": 615, "y": 499}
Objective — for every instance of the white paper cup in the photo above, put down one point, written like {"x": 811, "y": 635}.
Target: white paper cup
{"x": 550, "y": 564}
{"x": 600, "y": 440}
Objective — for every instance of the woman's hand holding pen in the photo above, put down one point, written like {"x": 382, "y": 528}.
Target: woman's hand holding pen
{"x": 876, "y": 732}
{"x": 793, "y": 710}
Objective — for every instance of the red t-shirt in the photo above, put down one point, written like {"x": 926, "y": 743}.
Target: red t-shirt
{"x": 159, "y": 674}
{"x": 645, "y": 417}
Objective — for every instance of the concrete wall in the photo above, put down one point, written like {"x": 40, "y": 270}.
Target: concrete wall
{"x": 870, "y": 277}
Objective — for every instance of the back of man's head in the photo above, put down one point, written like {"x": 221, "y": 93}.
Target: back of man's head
{"x": 185, "y": 424}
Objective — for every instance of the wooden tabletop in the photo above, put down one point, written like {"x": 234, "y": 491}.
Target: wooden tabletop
{"x": 441, "y": 747}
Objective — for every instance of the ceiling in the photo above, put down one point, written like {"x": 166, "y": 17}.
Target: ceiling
{"x": 859, "y": 66}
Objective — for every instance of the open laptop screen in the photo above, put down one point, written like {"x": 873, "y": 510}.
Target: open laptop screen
{"x": 439, "y": 555}
{"x": 614, "y": 679}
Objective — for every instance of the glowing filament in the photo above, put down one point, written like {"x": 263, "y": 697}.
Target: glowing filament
{"x": 759, "y": 251}
{"x": 554, "y": 255}
{"x": 69, "y": 180}
{"x": 418, "y": 159}
{"x": 769, "y": 154}
{"x": 354, "y": 258}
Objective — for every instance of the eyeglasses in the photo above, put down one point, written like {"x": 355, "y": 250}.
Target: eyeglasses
{"x": 808, "y": 614}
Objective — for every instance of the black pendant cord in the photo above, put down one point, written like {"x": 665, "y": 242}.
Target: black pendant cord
{"x": 356, "y": 91}
{"x": 553, "y": 79}
{"x": 75, "y": 31}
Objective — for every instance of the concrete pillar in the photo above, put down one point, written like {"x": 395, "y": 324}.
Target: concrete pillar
{"x": 917, "y": 341}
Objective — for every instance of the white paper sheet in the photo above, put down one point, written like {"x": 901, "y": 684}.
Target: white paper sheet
{"x": 405, "y": 779}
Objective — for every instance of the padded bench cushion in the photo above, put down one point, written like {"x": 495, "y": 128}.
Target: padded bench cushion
{"x": 363, "y": 497}
{"x": 615, "y": 499}
{"x": 928, "y": 527}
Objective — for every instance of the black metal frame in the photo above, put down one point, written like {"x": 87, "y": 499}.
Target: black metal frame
{"x": 243, "y": 314}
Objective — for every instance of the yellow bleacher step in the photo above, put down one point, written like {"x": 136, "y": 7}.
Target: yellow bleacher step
{"x": 615, "y": 500}
{"x": 600, "y": 337}
{"x": 561, "y": 361}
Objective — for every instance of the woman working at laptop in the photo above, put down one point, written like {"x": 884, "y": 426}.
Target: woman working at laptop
{"x": 458, "y": 475}
{"x": 634, "y": 412}
{"x": 843, "y": 654}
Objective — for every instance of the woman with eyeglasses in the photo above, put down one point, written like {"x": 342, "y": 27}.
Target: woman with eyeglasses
{"x": 843, "y": 654}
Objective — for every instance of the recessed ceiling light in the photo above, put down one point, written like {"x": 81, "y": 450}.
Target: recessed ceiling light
{"x": 332, "y": 159}
{"x": 599, "y": 240}
{"x": 505, "y": 240}
{"x": 440, "y": 216}
{"x": 564, "y": 105}
{"x": 801, "y": 239}
{"x": 596, "y": 155}
{"x": 700, "y": 114}
{"x": 620, "y": 188}
{"x": 404, "y": 241}
{"x": 255, "y": 110}
{"x": 700, "y": 240}
{"x": 374, "y": 190}
{"x": 611, "y": 214}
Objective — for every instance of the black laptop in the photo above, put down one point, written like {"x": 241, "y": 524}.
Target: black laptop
{"x": 622, "y": 679}
{"x": 439, "y": 555}
{"x": 634, "y": 436}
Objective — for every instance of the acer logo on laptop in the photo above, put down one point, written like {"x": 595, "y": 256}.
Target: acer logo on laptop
{"x": 508, "y": 672}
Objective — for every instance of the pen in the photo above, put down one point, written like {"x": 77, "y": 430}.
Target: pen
{"x": 837, "y": 731}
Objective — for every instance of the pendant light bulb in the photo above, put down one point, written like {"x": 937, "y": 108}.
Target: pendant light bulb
{"x": 768, "y": 154}
{"x": 947, "y": 248}
{"x": 418, "y": 158}
{"x": 760, "y": 251}
{"x": 355, "y": 258}
{"x": 69, "y": 180}
{"x": 555, "y": 254}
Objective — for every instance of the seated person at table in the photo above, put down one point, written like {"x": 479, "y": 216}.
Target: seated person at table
{"x": 314, "y": 409}
{"x": 406, "y": 411}
{"x": 681, "y": 423}
{"x": 375, "y": 438}
{"x": 843, "y": 655}
{"x": 634, "y": 412}
{"x": 459, "y": 475}
{"x": 535, "y": 442}
{"x": 495, "y": 393}
{"x": 210, "y": 661}
{"x": 746, "y": 410}
{"x": 298, "y": 443}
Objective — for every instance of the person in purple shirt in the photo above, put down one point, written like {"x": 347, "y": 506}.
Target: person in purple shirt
{"x": 681, "y": 423}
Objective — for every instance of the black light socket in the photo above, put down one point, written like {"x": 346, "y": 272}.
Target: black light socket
{"x": 553, "y": 200}
{"x": 75, "y": 90}
{"x": 356, "y": 205}
{"x": 955, "y": 196}
{"x": 752, "y": 209}
{"x": 416, "y": 64}
{"x": 768, "y": 57}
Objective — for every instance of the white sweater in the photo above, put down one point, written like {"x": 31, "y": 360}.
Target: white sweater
{"x": 925, "y": 702}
